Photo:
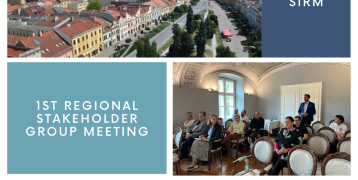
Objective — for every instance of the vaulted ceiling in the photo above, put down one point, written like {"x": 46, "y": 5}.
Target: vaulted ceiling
{"x": 191, "y": 74}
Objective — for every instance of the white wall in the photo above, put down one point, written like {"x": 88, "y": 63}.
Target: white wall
{"x": 336, "y": 94}
{"x": 193, "y": 100}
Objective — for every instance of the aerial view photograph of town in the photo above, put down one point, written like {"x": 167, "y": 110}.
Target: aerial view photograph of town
{"x": 134, "y": 28}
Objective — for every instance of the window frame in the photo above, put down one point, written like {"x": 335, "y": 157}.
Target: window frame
{"x": 224, "y": 94}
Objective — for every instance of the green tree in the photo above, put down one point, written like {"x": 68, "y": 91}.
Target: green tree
{"x": 187, "y": 44}
{"x": 147, "y": 49}
{"x": 140, "y": 50}
{"x": 189, "y": 21}
{"x": 209, "y": 29}
{"x": 222, "y": 51}
{"x": 154, "y": 49}
{"x": 175, "y": 47}
{"x": 258, "y": 46}
{"x": 94, "y": 5}
{"x": 252, "y": 33}
{"x": 200, "y": 40}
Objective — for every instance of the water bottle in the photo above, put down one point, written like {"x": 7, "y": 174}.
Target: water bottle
{"x": 247, "y": 168}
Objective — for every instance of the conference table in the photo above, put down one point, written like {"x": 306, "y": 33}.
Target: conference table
{"x": 269, "y": 125}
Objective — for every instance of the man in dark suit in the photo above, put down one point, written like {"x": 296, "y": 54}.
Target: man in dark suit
{"x": 307, "y": 110}
{"x": 256, "y": 124}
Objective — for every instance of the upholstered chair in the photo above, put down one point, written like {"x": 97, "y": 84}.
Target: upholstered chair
{"x": 212, "y": 153}
{"x": 330, "y": 122}
{"x": 320, "y": 145}
{"x": 329, "y": 132}
{"x": 347, "y": 134}
{"x": 317, "y": 125}
{"x": 344, "y": 145}
{"x": 176, "y": 152}
{"x": 309, "y": 130}
{"x": 301, "y": 160}
{"x": 337, "y": 164}
{"x": 262, "y": 152}
{"x": 228, "y": 124}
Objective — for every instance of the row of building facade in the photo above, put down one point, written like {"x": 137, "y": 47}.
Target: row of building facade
{"x": 58, "y": 31}
{"x": 251, "y": 10}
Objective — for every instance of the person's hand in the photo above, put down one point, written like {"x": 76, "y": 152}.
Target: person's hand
{"x": 283, "y": 151}
{"x": 277, "y": 151}
{"x": 254, "y": 129}
{"x": 188, "y": 135}
{"x": 249, "y": 128}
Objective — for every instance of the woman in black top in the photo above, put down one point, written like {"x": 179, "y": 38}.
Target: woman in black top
{"x": 287, "y": 138}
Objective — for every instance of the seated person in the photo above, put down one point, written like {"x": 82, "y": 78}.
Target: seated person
{"x": 245, "y": 118}
{"x": 287, "y": 138}
{"x": 302, "y": 128}
{"x": 236, "y": 111}
{"x": 199, "y": 149}
{"x": 196, "y": 129}
{"x": 189, "y": 120}
{"x": 256, "y": 124}
{"x": 340, "y": 129}
{"x": 237, "y": 127}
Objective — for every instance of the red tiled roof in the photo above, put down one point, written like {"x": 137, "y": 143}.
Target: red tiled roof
{"x": 12, "y": 8}
{"x": 68, "y": 10}
{"x": 49, "y": 11}
{"x": 152, "y": 3}
{"x": 12, "y": 39}
{"x": 160, "y": 3}
{"x": 129, "y": 9}
{"x": 30, "y": 10}
{"x": 102, "y": 22}
{"x": 14, "y": 52}
{"x": 51, "y": 44}
{"x": 80, "y": 27}
{"x": 50, "y": 21}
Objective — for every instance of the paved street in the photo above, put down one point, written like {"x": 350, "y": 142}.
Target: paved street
{"x": 162, "y": 37}
{"x": 224, "y": 23}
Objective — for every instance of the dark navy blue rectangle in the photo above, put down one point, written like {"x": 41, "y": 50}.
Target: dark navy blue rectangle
{"x": 306, "y": 31}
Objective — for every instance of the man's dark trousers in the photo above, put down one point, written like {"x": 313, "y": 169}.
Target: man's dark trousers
{"x": 186, "y": 143}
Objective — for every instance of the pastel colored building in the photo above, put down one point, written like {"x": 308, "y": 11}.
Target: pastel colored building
{"x": 84, "y": 35}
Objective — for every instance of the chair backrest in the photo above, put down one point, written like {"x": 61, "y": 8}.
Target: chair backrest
{"x": 329, "y": 132}
{"x": 347, "y": 134}
{"x": 319, "y": 144}
{"x": 178, "y": 137}
{"x": 337, "y": 164}
{"x": 263, "y": 150}
{"x": 344, "y": 145}
{"x": 220, "y": 121}
{"x": 330, "y": 122}
{"x": 309, "y": 129}
{"x": 301, "y": 160}
{"x": 317, "y": 125}
{"x": 228, "y": 123}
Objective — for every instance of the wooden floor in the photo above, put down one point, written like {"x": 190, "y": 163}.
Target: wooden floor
{"x": 225, "y": 168}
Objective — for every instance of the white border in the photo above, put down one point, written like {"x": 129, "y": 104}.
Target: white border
{"x": 3, "y": 105}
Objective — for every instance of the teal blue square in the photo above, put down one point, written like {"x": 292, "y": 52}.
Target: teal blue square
{"x": 144, "y": 83}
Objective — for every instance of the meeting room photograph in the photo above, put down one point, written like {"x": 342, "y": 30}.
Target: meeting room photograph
{"x": 262, "y": 118}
